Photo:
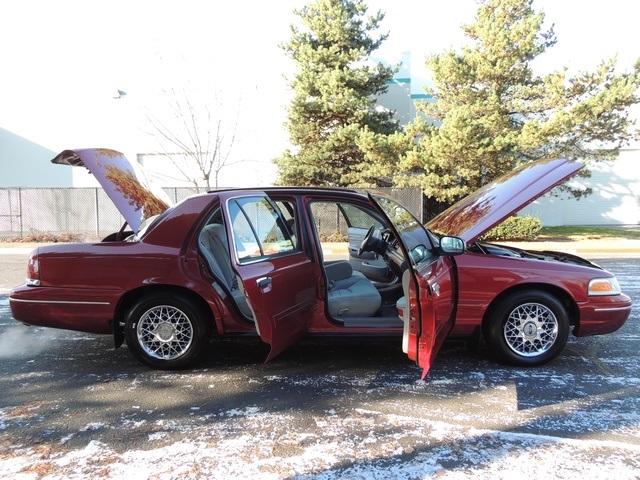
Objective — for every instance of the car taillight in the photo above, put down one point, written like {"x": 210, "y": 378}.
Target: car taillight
{"x": 33, "y": 269}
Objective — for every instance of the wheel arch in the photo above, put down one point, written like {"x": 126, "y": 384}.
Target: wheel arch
{"x": 567, "y": 301}
{"x": 131, "y": 297}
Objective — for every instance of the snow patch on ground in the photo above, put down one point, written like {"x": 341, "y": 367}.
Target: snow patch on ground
{"x": 363, "y": 444}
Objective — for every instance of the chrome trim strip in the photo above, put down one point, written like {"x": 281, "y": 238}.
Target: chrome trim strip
{"x": 614, "y": 309}
{"x": 69, "y": 302}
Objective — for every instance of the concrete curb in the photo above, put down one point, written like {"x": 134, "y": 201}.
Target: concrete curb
{"x": 16, "y": 248}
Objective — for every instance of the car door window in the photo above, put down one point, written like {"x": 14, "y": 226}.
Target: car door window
{"x": 340, "y": 222}
{"x": 415, "y": 237}
{"x": 287, "y": 210}
{"x": 260, "y": 229}
{"x": 332, "y": 220}
{"x": 359, "y": 218}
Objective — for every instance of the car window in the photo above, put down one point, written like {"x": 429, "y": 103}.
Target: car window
{"x": 357, "y": 217}
{"x": 260, "y": 229}
{"x": 333, "y": 219}
{"x": 287, "y": 210}
{"x": 144, "y": 226}
{"x": 414, "y": 235}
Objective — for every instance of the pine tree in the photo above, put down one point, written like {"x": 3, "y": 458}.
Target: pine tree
{"x": 335, "y": 89}
{"x": 491, "y": 112}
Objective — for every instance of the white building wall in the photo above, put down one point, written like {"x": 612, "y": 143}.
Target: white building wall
{"x": 398, "y": 95}
{"x": 24, "y": 163}
{"x": 615, "y": 199}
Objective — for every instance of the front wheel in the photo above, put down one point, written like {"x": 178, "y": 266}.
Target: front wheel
{"x": 528, "y": 328}
{"x": 166, "y": 331}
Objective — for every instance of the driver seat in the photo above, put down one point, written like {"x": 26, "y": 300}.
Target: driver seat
{"x": 350, "y": 294}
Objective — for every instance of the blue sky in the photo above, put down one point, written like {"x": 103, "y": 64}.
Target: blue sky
{"x": 63, "y": 61}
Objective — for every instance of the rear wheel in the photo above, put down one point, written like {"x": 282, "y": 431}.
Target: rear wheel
{"x": 166, "y": 331}
{"x": 527, "y": 329}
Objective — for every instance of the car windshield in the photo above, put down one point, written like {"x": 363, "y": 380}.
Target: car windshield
{"x": 413, "y": 234}
{"x": 144, "y": 226}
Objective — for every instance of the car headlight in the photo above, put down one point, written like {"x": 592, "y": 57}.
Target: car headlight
{"x": 604, "y": 286}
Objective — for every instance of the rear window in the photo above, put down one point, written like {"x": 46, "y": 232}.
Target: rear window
{"x": 259, "y": 229}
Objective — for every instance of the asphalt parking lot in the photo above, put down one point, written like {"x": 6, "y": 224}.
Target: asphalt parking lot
{"x": 72, "y": 407}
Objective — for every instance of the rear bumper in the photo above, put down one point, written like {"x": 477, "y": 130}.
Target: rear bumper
{"x": 71, "y": 309}
{"x": 603, "y": 315}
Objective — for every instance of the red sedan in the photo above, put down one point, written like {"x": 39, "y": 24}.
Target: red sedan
{"x": 239, "y": 262}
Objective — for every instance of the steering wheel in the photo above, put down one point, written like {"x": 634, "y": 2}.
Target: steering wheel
{"x": 366, "y": 241}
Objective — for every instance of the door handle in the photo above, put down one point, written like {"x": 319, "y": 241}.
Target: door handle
{"x": 263, "y": 282}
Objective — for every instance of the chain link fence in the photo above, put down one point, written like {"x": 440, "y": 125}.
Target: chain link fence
{"x": 90, "y": 214}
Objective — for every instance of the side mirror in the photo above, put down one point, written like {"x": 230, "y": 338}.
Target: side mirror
{"x": 452, "y": 245}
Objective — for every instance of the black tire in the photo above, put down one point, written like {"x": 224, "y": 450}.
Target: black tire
{"x": 166, "y": 331}
{"x": 528, "y": 328}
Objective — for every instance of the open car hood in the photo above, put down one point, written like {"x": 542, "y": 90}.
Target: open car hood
{"x": 125, "y": 184}
{"x": 478, "y": 213}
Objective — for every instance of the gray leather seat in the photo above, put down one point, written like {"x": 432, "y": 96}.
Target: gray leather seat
{"x": 350, "y": 293}
{"x": 215, "y": 248}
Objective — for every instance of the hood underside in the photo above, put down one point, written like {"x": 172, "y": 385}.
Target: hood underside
{"x": 478, "y": 213}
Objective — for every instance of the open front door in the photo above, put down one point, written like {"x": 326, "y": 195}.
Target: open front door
{"x": 431, "y": 310}
{"x": 430, "y": 285}
{"x": 279, "y": 280}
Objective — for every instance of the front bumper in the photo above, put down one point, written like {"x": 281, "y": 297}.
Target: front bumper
{"x": 602, "y": 315}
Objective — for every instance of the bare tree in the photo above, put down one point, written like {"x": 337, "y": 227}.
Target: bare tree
{"x": 196, "y": 138}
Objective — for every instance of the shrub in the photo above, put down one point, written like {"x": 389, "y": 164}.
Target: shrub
{"x": 515, "y": 228}
{"x": 336, "y": 236}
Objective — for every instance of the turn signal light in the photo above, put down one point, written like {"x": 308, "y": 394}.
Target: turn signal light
{"x": 604, "y": 286}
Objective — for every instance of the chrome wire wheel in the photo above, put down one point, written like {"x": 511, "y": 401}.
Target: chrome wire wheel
{"x": 165, "y": 332}
{"x": 531, "y": 329}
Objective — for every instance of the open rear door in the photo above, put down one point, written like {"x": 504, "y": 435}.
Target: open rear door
{"x": 279, "y": 280}
{"x": 430, "y": 285}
